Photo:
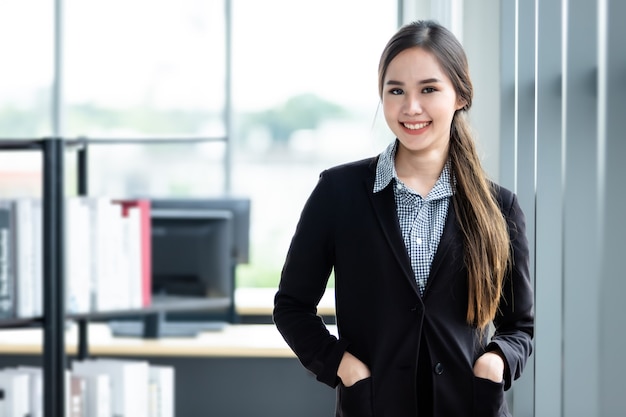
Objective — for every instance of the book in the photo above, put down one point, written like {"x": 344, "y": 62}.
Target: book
{"x": 15, "y": 385}
{"x": 128, "y": 257}
{"x": 108, "y": 284}
{"x": 7, "y": 260}
{"x": 137, "y": 211}
{"x": 129, "y": 384}
{"x": 161, "y": 386}
{"x": 3, "y": 401}
{"x": 77, "y": 255}
{"x": 36, "y": 389}
{"x": 77, "y": 396}
{"x": 25, "y": 273}
{"x": 98, "y": 399}
{"x": 37, "y": 253}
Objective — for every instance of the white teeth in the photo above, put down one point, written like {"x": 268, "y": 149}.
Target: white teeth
{"x": 415, "y": 126}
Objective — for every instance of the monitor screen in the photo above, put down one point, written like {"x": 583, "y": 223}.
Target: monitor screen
{"x": 239, "y": 207}
{"x": 191, "y": 252}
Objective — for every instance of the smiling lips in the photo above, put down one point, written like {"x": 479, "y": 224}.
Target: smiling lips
{"x": 415, "y": 128}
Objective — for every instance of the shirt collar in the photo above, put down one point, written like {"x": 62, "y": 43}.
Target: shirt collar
{"x": 386, "y": 172}
{"x": 385, "y": 169}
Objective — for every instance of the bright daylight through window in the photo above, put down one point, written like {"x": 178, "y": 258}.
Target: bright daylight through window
{"x": 304, "y": 98}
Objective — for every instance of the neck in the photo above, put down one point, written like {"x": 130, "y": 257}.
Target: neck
{"x": 420, "y": 172}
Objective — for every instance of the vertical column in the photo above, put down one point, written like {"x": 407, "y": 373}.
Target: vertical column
{"x": 612, "y": 367}
{"x": 580, "y": 244}
{"x": 508, "y": 117}
{"x": 523, "y": 398}
{"x": 526, "y": 141}
{"x": 82, "y": 161}
{"x": 57, "y": 85}
{"x": 450, "y": 14}
{"x": 53, "y": 280}
{"x": 410, "y": 10}
{"x": 228, "y": 105}
{"x": 482, "y": 45}
{"x": 549, "y": 211}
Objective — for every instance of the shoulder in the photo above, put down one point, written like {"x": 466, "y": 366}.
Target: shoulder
{"x": 338, "y": 187}
{"x": 510, "y": 207}
{"x": 505, "y": 197}
{"x": 360, "y": 166}
{"x": 361, "y": 169}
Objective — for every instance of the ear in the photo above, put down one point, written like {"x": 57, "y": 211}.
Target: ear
{"x": 460, "y": 104}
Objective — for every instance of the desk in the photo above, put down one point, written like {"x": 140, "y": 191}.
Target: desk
{"x": 260, "y": 302}
{"x": 237, "y": 340}
{"x": 241, "y": 371}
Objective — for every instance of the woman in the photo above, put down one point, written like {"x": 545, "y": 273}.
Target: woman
{"x": 427, "y": 254}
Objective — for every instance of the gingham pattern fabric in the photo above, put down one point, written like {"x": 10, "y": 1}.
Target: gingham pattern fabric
{"x": 421, "y": 219}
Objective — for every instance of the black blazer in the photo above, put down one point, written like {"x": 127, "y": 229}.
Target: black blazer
{"x": 381, "y": 317}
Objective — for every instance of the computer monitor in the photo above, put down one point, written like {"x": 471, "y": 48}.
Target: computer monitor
{"x": 240, "y": 208}
{"x": 191, "y": 252}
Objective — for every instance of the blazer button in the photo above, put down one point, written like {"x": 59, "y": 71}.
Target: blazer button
{"x": 438, "y": 368}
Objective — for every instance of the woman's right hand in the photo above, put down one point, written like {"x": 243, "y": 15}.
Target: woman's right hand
{"x": 352, "y": 370}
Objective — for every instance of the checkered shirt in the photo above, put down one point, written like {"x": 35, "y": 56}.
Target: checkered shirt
{"x": 421, "y": 219}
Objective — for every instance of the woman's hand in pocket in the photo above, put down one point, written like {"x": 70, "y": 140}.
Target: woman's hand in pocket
{"x": 352, "y": 370}
{"x": 490, "y": 366}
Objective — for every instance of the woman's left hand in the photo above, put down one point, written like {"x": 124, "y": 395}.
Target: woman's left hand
{"x": 490, "y": 366}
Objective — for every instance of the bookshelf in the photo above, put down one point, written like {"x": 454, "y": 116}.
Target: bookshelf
{"x": 54, "y": 317}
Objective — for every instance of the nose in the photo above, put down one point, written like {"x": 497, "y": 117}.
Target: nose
{"x": 412, "y": 105}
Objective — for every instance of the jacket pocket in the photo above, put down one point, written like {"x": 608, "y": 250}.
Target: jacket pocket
{"x": 489, "y": 398}
{"x": 356, "y": 400}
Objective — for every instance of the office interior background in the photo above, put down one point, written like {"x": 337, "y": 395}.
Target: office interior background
{"x": 277, "y": 90}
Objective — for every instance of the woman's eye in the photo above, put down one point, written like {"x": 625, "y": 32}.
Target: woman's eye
{"x": 396, "y": 91}
{"x": 429, "y": 90}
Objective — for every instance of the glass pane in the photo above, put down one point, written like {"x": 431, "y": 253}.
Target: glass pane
{"x": 144, "y": 68}
{"x": 20, "y": 174}
{"x": 156, "y": 170}
{"x": 26, "y": 72}
{"x": 305, "y": 98}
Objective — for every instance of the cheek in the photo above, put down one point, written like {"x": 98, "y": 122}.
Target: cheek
{"x": 390, "y": 109}
{"x": 391, "y": 116}
{"x": 445, "y": 111}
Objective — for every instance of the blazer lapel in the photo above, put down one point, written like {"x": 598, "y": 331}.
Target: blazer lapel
{"x": 384, "y": 205}
{"x": 449, "y": 238}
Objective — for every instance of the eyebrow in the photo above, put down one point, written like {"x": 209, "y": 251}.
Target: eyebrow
{"x": 426, "y": 81}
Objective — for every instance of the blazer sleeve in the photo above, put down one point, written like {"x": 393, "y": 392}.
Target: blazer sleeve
{"x": 308, "y": 264}
{"x": 514, "y": 323}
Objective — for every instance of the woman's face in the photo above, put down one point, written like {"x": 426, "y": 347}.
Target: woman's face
{"x": 419, "y": 101}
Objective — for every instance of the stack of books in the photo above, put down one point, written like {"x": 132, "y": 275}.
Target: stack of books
{"x": 93, "y": 388}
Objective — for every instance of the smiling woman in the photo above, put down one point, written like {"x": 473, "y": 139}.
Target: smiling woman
{"x": 426, "y": 252}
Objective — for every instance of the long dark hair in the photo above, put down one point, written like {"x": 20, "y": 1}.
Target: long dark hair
{"x": 485, "y": 233}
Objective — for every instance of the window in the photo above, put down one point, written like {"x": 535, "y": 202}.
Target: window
{"x": 26, "y": 76}
{"x": 147, "y": 70}
{"x": 305, "y": 98}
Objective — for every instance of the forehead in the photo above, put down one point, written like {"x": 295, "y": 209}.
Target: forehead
{"x": 415, "y": 62}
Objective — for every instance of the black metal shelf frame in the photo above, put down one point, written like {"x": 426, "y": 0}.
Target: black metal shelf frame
{"x": 53, "y": 320}
{"x": 54, "y": 360}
